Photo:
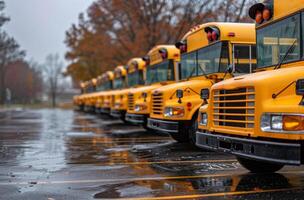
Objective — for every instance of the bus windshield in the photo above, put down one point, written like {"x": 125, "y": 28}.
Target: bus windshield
{"x": 207, "y": 60}
{"x": 273, "y": 41}
{"x": 104, "y": 86}
{"x": 160, "y": 72}
{"x": 135, "y": 78}
{"x": 118, "y": 83}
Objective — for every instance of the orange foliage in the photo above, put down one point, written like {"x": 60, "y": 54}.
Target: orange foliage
{"x": 116, "y": 30}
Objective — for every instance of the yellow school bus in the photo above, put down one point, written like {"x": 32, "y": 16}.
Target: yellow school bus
{"x": 119, "y": 82}
{"x": 104, "y": 85}
{"x": 78, "y": 99}
{"x": 210, "y": 53}
{"x": 162, "y": 69}
{"x": 135, "y": 77}
{"x": 88, "y": 97}
{"x": 260, "y": 117}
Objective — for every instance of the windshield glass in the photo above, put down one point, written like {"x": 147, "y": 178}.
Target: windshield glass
{"x": 135, "y": 78}
{"x": 118, "y": 83}
{"x": 208, "y": 60}
{"x": 160, "y": 72}
{"x": 273, "y": 41}
{"x": 104, "y": 86}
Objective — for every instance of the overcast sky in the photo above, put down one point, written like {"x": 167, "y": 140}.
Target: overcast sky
{"x": 39, "y": 25}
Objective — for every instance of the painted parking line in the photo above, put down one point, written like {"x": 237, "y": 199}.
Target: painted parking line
{"x": 195, "y": 196}
{"x": 155, "y": 178}
{"x": 172, "y": 162}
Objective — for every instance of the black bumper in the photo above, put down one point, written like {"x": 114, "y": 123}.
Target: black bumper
{"x": 268, "y": 151}
{"x": 117, "y": 113}
{"x": 163, "y": 126}
{"x": 135, "y": 118}
{"x": 104, "y": 110}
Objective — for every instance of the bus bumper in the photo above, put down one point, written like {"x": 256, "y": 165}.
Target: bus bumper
{"x": 269, "y": 151}
{"x": 117, "y": 113}
{"x": 104, "y": 111}
{"x": 135, "y": 118}
{"x": 163, "y": 126}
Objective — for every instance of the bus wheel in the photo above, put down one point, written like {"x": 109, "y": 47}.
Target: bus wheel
{"x": 259, "y": 166}
{"x": 192, "y": 128}
{"x": 180, "y": 137}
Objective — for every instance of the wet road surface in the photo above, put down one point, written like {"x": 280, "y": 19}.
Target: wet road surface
{"x": 62, "y": 154}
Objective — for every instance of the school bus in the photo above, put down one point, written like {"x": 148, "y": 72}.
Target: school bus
{"x": 135, "y": 77}
{"x": 78, "y": 101}
{"x": 162, "y": 69}
{"x": 88, "y": 97}
{"x": 119, "y": 83}
{"x": 104, "y": 85}
{"x": 210, "y": 52}
{"x": 260, "y": 117}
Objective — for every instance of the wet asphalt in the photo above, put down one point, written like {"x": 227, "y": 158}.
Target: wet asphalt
{"x": 64, "y": 154}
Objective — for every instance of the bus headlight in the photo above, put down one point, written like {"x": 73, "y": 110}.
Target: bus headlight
{"x": 140, "y": 107}
{"x": 204, "y": 119}
{"x": 174, "y": 112}
{"x": 282, "y": 122}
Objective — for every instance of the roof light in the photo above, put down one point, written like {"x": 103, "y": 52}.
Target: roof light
{"x": 267, "y": 14}
{"x": 261, "y": 12}
{"x": 163, "y": 52}
{"x": 182, "y": 46}
{"x": 146, "y": 59}
{"x": 258, "y": 17}
{"x": 212, "y": 33}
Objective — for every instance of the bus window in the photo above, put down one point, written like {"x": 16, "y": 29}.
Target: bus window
{"x": 244, "y": 58}
{"x": 274, "y": 40}
{"x": 188, "y": 65}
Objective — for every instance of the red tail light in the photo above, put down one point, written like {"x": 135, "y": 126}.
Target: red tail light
{"x": 147, "y": 60}
{"x": 212, "y": 33}
{"x": 267, "y": 14}
{"x": 214, "y": 36}
{"x": 209, "y": 36}
{"x": 163, "y": 53}
{"x": 183, "y": 48}
{"x": 258, "y": 17}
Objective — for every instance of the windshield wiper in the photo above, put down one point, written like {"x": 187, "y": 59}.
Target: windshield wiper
{"x": 191, "y": 74}
{"x": 204, "y": 73}
{"x": 153, "y": 78}
{"x": 286, "y": 54}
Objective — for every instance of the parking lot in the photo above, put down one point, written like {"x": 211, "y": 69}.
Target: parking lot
{"x": 64, "y": 154}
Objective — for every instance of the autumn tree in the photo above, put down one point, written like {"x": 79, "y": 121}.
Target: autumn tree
{"x": 24, "y": 81}
{"x": 116, "y": 30}
{"x": 9, "y": 52}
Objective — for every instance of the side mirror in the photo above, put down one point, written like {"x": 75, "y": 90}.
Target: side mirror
{"x": 179, "y": 95}
{"x": 300, "y": 87}
{"x": 205, "y": 94}
{"x": 229, "y": 69}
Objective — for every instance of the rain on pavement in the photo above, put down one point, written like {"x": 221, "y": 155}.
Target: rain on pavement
{"x": 64, "y": 154}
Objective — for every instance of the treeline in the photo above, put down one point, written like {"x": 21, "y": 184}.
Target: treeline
{"x": 113, "y": 31}
{"x": 19, "y": 81}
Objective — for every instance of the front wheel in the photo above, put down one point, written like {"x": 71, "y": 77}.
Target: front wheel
{"x": 259, "y": 166}
{"x": 187, "y": 131}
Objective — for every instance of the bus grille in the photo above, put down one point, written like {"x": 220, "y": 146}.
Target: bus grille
{"x": 131, "y": 101}
{"x": 157, "y": 103}
{"x": 234, "y": 108}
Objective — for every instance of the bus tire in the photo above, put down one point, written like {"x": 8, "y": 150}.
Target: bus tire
{"x": 180, "y": 137}
{"x": 259, "y": 166}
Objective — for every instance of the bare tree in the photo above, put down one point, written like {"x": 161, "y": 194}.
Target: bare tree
{"x": 53, "y": 71}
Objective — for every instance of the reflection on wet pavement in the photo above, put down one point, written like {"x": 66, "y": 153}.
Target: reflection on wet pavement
{"x": 61, "y": 154}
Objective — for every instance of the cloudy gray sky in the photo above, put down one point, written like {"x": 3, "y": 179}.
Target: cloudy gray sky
{"x": 39, "y": 25}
